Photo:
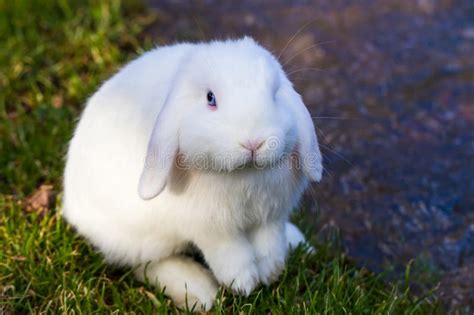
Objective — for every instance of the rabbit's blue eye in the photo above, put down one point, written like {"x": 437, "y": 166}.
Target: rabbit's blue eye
{"x": 211, "y": 99}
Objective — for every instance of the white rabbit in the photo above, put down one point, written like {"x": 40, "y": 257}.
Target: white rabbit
{"x": 205, "y": 144}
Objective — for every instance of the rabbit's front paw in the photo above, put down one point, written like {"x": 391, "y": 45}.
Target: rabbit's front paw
{"x": 237, "y": 272}
{"x": 241, "y": 276}
{"x": 270, "y": 268}
{"x": 244, "y": 280}
{"x": 270, "y": 246}
{"x": 232, "y": 261}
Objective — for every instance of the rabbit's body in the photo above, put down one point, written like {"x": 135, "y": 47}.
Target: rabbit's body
{"x": 235, "y": 216}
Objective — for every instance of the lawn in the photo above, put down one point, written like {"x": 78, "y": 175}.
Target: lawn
{"x": 53, "y": 55}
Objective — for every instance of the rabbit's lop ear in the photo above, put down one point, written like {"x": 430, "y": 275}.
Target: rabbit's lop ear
{"x": 161, "y": 154}
{"x": 308, "y": 147}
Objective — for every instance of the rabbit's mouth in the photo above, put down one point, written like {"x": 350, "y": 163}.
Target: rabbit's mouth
{"x": 229, "y": 163}
{"x": 259, "y": 163}
{"x": 289, "y": 160}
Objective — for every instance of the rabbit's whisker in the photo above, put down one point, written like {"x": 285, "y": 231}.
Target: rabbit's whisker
{"x": 306, "y": 49}
{"x": 333, "y": 117}
{"x": 305, "y": 69}
{"x": 336, "y": 153}
{"x": 199, "y": 28}
{"x": 305, "y": 25}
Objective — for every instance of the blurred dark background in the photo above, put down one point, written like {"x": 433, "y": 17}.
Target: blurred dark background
{"x": 391, "y": 87}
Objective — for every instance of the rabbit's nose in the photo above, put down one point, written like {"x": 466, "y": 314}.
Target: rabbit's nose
{"x": 252, "y": 145}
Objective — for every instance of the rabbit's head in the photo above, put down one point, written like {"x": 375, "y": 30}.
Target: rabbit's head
{"x": 231, "y": 107}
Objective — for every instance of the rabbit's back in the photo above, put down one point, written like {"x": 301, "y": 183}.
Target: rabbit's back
{"x": 109, "y": 145}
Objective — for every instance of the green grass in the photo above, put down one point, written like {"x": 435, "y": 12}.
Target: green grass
{"x": 52, "y": 56}
{"x": 47, "y": 267}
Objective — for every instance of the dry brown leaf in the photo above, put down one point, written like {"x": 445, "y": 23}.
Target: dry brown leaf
{"x": 41, "y": 200}
{"x": 57, "y": 101}
{"x": 19, "y": 258}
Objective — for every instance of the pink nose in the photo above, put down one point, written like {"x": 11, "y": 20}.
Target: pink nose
{"x": 253, "y": 145}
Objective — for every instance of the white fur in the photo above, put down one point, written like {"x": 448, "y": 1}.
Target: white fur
{"x": 125, "y": 193}
{"x": 185, "y": 281}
